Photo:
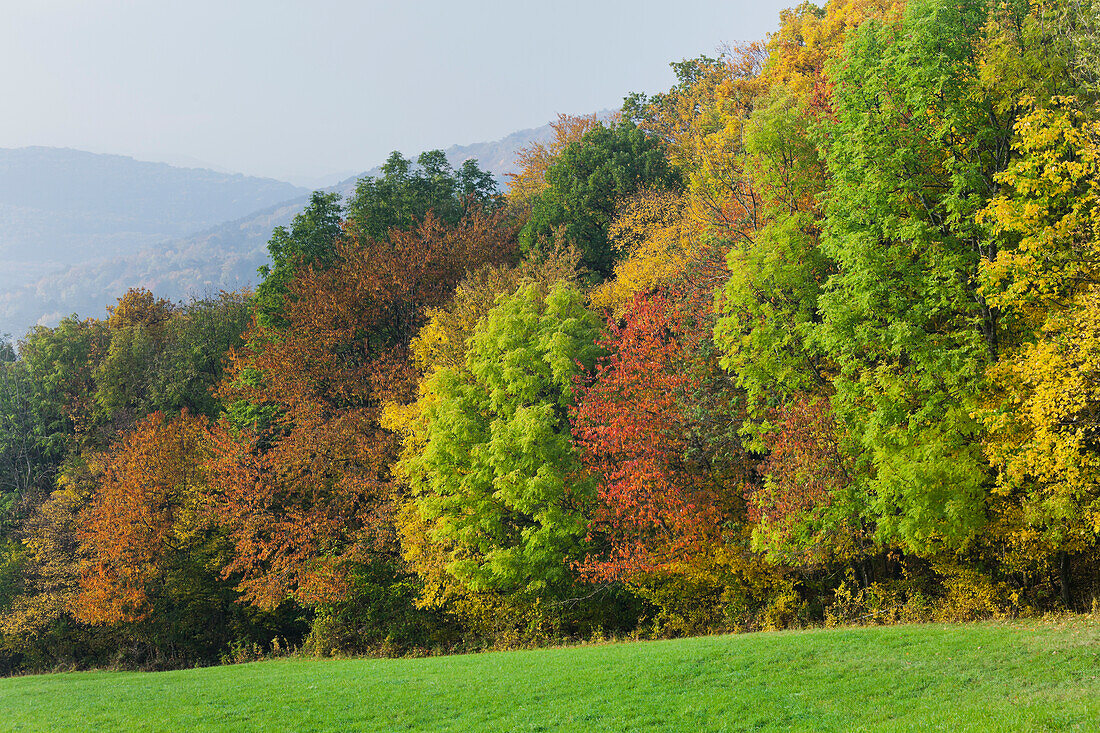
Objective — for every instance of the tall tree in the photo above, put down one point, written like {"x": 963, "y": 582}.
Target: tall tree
{"x": 585, "y": 184}
{"x": 912, "y": 158}
{"x": 501, "y": 494}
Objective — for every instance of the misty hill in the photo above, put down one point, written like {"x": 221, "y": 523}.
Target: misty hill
{"x": 62, "y": 207}
{"x": 82, "y": 273}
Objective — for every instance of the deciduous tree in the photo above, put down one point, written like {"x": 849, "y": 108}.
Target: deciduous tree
{"x": 308, "y": 497}
{"x": 502, "y": 495}
{"x": 584, "y": 185}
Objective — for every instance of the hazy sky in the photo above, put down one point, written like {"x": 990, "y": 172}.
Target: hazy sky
{"x": 307, "y": 89}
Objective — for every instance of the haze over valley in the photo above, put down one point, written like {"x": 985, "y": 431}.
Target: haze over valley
{"x": 78, "y": 229}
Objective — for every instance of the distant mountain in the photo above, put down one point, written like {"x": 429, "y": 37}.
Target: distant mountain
{"x": 81, "y": 261}
{"x": 499, "y": 157}
{"x": 225, "y": 257}
{"x": 61, "y": 207}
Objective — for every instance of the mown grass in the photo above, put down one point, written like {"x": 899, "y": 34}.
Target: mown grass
{"x": 982, "y": 677}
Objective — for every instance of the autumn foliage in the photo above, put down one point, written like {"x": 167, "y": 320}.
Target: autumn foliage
{"x": 811, "y": 337}
{"x": 150, "y": 506}
{"x": 630, "y": 422}
{"x": 309, "y": 494}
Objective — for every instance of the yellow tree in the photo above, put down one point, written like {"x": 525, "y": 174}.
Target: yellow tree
{"x": 809, "y": 36}
{"x": 51, "y": 572}
{"x": 666, "y": 236}
{"x": 656, "y": 241}
{"x": 1043, "y": 414}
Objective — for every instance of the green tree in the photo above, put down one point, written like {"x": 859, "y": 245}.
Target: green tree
{"x": 404, "y": 194}
{"x": 499, "y": 468}
{"x": 169, "y": 359}
{"x": 912, "y": 158}
{"x": 585, "y": 185}
{"x": 310, "y": 240}
{"x": 770, "y": 303}
{"x": 60, "y": 363}
{"x": 22, "y": 463}
{"x": 138, "y": 327}
{"x": 199, "y": 337}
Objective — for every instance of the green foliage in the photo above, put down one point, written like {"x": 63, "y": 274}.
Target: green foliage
{"x": 172, "y": 363}
{"x": 404, "y": 195}
{"x": 499, "y": 465}
{"x": 1077, "y": 26}
{"x": 121, "y": 377}
{"x": 770, "y": 302}
{"x": 59, "y": 363}
{"x": 311, "y": 240}
{"x": 23, "y": 462}
{"x": 912, "y": 157}
{"x": 197, "y": 341}
{"x": 378, "y": 615}
{"x": 586, "y": 183}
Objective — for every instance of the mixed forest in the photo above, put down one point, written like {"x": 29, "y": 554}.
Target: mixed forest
{"x": 812, "y": 337}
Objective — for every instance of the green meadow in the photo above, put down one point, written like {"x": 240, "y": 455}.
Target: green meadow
{"x": 983, "y": 677}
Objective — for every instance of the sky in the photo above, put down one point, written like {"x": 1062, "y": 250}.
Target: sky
{"x": 306, "y": 91}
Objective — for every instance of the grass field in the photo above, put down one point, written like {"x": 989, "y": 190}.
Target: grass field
{"x": 982, "y": 677}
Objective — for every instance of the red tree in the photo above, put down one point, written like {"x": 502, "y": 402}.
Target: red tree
{"x": 661, "y": 494}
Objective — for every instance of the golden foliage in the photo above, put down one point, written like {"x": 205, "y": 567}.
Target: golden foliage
{"x": 1043, "y": 434}
{"x": 1043, "y": 413}
{"x": 52, "y": 575}
{"x": 1052, "y": 204}
{"x": 809, "y": 37}
{"x": 139, "y": 307}
{"x": 649, "y": 228}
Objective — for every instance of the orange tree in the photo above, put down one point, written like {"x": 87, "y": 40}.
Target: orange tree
{"x": 148, "y": 554}
{"x": 306, "y": 493}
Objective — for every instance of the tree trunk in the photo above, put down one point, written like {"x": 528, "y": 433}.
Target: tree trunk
{"x": 1064, "y": 579}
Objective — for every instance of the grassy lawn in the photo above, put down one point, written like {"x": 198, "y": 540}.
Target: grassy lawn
{"x": 983, "y": 677}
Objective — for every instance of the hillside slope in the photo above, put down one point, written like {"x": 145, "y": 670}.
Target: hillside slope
{"x": 977, "y": 677}
{"x": 62, "y": 206}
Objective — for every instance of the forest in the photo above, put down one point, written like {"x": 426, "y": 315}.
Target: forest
{"x": 811, "y": 338}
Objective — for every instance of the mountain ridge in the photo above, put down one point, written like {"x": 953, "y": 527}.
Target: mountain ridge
{"x": 219, "y": 256}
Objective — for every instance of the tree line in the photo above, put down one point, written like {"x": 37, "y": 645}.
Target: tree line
{"x": 813, "y": 337}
